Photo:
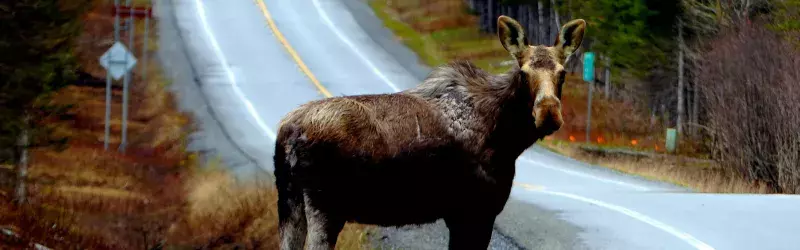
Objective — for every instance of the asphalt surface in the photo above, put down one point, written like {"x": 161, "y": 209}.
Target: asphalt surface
{"x": 231, "y": 71}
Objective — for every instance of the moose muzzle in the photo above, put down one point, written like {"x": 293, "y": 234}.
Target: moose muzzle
{"x": 547, "y": 114}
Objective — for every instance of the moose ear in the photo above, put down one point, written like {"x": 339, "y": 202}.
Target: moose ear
{"x": 512, "y": 35}
{"x": 570, "y": 37}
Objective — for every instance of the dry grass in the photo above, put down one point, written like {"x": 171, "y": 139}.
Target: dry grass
{"x": 88, "y": 198}
{"x": 73, "y": 191}
{"x": 440, "y": 31}
{"x": 222, "y": 213}
{"x": 699, "y": 176}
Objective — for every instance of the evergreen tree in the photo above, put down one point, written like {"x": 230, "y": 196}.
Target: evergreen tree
{"x": 36, "y": 59}
{"x": 620, "y": 29}
{"x": 787, "y": 19}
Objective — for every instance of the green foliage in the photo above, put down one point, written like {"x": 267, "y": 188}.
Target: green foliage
{"x": 36, "y": 44}
{"x": 620, "y": 30}
{"x": 788, "y": 15}
{"x": 787, "y": 19}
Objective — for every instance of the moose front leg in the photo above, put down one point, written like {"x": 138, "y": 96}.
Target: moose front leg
{"x": 470, "y": 232}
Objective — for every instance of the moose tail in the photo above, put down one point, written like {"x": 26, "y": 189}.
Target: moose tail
{"x": 291, "y": 206}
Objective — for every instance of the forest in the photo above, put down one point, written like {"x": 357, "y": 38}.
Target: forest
{"x": 724, "y": 74}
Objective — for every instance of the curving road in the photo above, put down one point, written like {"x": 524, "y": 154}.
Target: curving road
{"x": 240, "y": 65}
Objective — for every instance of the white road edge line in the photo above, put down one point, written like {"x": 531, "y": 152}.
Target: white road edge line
{"x": 579, "y": 174}
{"x": 338, "y": 33}
{"x": 201, "y": 11}
{"x": 691, "y": 240}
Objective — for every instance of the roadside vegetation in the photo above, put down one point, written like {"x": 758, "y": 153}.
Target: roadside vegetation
{"x": 661, "y": 64}
{"x": 60, "y": 189}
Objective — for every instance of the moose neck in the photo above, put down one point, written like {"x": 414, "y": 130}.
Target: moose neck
{"x": 490, "y": 115}
{"x": 509, "y": 106}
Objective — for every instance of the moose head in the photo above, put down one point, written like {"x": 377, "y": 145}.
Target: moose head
{"x": 543, "y": 66}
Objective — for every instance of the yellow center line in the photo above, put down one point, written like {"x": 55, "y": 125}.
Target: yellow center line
{"x": 528, "y": 186}
{"x": 311, "y": 76}
{"x": 289, "y": 49}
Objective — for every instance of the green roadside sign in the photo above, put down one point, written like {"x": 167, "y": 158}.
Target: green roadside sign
{"x": 588, "y": 66}
{"x": 672, "y": 136}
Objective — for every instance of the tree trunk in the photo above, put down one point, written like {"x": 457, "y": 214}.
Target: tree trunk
{"x": 483, "y": 16}
{"x": 532, "y": 24}
{"x": 569, "y": 7}
{"x": 20, "y": 196}
{"x": 695, "y": 108}
{"x": 556, "y": 17}
{"x": 679, "y": 112}
{"x": 542, "y": 33}
{"x": 500, "y": 9}
{"x": 491, "y": 16}
{"x": 607, "y": 76}
{"x": 522, "y": 16}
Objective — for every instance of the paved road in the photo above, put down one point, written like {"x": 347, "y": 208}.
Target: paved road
{"x": 233, "y": 71}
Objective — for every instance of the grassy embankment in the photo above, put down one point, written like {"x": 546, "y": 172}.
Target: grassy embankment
{"x": 441, "y": 31}
{"x": 154, "y": 194}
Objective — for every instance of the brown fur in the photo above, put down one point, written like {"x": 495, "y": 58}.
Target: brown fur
{"x": 543, "y": 59}
{"x": 442, "y": 150}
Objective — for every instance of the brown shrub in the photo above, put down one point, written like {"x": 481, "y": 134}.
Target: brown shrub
{"x": 615, "y": 121}
{"x": 221, "y": 211}
{"x": 750, "y": 86}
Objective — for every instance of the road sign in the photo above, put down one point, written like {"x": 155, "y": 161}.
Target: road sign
{"x": 588, "y": 66}
{"x": 118, "y": 60}
{"x": 672, "y": 136}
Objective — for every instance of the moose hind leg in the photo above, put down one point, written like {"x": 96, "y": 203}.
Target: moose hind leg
{"x": 323, "y": 227}
{"x": 470, "y": 233}
{"x": 292, "y": 228}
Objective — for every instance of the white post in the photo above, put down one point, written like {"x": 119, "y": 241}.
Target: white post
{"x": 131, "y": 27}
{"x": 22, "y": 165}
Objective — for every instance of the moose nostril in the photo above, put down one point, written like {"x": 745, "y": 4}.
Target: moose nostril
{"x": 549, "y": 124}
{"x": 547, "y": 102}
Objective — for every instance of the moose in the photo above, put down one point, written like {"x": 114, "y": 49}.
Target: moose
{"x": 445, "y": 149}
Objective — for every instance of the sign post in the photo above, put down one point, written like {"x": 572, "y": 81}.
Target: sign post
{"x": 131, "y": 27}
{"x": 588, "y": 76}
{"x": 117, "y": 61}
